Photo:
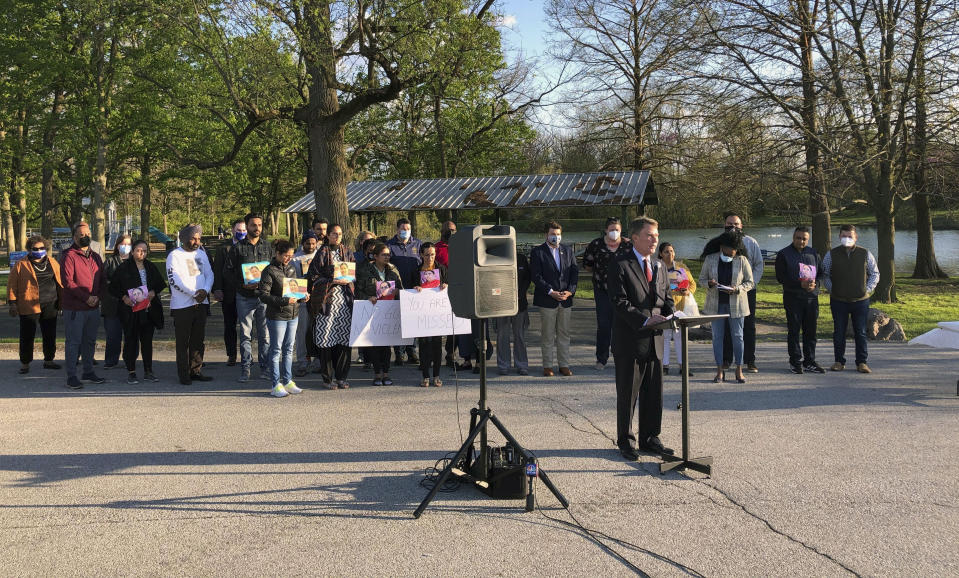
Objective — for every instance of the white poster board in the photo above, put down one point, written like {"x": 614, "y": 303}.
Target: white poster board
{"x": 375, "y": 325}
{"x": 428, "y": 313}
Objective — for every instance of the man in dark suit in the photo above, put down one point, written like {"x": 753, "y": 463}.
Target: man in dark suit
{"x": 555, "y": 275}
{"x": 639, "y": 291}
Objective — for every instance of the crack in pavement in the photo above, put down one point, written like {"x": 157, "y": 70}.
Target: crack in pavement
{"x": 701, "y": 482}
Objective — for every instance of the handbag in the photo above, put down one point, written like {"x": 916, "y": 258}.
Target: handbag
{"x": 690, "y": 307}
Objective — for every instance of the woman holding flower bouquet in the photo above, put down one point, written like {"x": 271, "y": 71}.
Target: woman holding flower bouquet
{"x": 139, "y": 319}
{"x": 682, "y": 286}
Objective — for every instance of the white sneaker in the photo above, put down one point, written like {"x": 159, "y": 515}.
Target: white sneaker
{"x": 279, "y": 391}
{"x": 292, "y": 388}
{"x": 599, "y": 366}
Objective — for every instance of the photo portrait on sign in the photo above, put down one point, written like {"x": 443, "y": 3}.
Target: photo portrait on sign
{"x": 252, "y": 271}
{"x": 430, "y": 279}
{"x": 386, "y": 290}
{"x": 138, "y": 295}
{"x": 344, "y": 271}
{"x": 293, "y": 287}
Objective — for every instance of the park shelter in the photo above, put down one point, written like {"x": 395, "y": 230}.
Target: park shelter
{"x": 501, "y": 194}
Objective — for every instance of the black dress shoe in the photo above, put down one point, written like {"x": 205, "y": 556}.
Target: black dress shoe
{"x": 186, "y": 382}
{"x": 653, "y": 445}
{"x": 629, "y": 453}
{"x": 200, "y": 377}
{"x": 231, "y": 362}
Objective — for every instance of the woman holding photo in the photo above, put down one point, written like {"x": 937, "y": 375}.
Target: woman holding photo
{"x": 138, "y": 326}
{"x": 332, "y": 307}
{"x": 367, "y": 276}
{"x": 678, "y": 275}
{"x": 281, "y": 317}
{"x": 431, "y": 348}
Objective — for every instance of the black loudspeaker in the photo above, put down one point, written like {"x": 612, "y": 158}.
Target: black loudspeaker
{"x": 482, "y": 272}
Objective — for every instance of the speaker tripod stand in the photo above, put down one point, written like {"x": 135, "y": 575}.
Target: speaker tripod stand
{"x": 479, "y": 419}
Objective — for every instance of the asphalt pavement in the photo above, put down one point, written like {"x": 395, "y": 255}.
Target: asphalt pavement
{"x": 819, "y": 475}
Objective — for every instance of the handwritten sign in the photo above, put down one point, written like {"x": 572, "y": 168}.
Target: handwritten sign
{"x": 376, "y": 325}
{"x": 428, "y": 313}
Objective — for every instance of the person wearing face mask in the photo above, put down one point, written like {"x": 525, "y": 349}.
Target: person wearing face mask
{"x": 405, "y": 256}
{"x": 82, "y": 276}
{"x": 555, "y": 276}
{"x": 250, "y": 310}
{"x": 305, "y": 350}
{"x": 191, "y": 279}
{"x": 359, "y": 255}
{"x": 799, "y": 271}
{"x": 33, "y": 293}
{"x": 224, "y": 288}
{"x": 447, "y": 230}
{"x": 599, "y": 253}
{"x": 729, "y": 278}
{"x": 138, "y": 326}
{"x": 112, "y": 324}
{"x": 850, "y": 274}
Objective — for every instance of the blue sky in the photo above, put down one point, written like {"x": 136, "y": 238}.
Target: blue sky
{"x": 524, "y": 27}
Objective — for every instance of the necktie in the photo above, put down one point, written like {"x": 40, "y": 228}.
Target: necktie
{"x": 648, "y": 271}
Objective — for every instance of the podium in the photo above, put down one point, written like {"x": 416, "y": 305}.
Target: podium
{"x": 684, "y": 462}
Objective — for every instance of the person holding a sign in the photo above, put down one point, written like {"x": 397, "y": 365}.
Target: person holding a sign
{"x": 370, "y": 277}
{"x": 798, "y": 270}
{"x": 331, "y": 302}
{"x": 429, "y": 275}
{"x": 281, "y": 315}
{"x": 249, "y": 309}
{"x": 140, "y": 314}
{"x": 33, "y": 293}
{"x": 729, "y": 277}
{"x": 682, "y": 286}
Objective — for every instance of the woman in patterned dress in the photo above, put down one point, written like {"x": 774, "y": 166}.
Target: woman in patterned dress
{"x": 332, "y": 302}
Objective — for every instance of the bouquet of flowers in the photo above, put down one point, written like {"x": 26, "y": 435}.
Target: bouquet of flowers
{"x": 678, "y": 280}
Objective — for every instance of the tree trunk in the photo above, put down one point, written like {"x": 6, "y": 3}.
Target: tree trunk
{"x": 47, "y": 192}
{"x": 146, "y": 197}
{"x": 330, "y": 175}
{"x": 927, "y": 267}
{"x": 440, "y": 135}
{"x": 8, "y": 233}
{"x": 886, "y": 258}
{"x": 815, "y": 185}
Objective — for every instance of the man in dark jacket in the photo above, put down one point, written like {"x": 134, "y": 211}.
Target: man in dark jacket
{"x": 82, "y": 276}
{"x": 555, "y": 275}
{"x": 515, "y": 326}
{"x": 249, "y": 309}
{"x": 798, "y": 270}
{"x": 405, "y": 256}
{"x": 224, "y": 289}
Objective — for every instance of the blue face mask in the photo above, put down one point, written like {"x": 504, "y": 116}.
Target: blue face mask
{"x": 38, "y": 254}
{"x": 403, "y": 234}
{"x": 726, "y": 258}
{"x": 125, "y": 249}
{"x": 239, "y": 235}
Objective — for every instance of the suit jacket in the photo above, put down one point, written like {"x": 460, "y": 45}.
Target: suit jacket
{"x": 546, "y": 276}
{"x": 634, "y": 300}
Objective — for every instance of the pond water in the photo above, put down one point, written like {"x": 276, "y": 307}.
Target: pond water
{"x": 688, "y": 243}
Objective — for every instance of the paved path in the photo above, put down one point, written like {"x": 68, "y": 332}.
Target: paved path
{"x": 819, "y": 475}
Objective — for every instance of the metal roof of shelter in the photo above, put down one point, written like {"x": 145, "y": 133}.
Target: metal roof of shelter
{"x": 615, "y": 188}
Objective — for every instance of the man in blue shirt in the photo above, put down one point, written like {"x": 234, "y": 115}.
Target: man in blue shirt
{"x": 799, "y": 271}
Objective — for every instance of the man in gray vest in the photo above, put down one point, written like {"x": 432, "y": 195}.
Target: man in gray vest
{"x": 850, "y": 274}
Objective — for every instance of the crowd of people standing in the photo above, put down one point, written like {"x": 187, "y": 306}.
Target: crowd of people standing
{"x": 297, "y": 334}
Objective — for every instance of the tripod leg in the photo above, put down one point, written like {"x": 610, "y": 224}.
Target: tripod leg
{"x": 467, "y": 445}
{"x": 542, "y": 475}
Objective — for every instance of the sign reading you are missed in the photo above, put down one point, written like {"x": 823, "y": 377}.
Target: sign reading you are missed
{"x": 428, "y": 313}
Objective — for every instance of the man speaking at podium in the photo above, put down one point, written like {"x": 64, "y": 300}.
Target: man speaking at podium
{"x": 639, "y": 291}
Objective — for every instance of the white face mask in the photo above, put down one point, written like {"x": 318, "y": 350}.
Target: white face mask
{"x": 613, "y": 235}
{"x": 847, "y": 241}
{"x": 726, "y": 258}
{"x": 555, "y": 239}
{"x": 125, "y": 249}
